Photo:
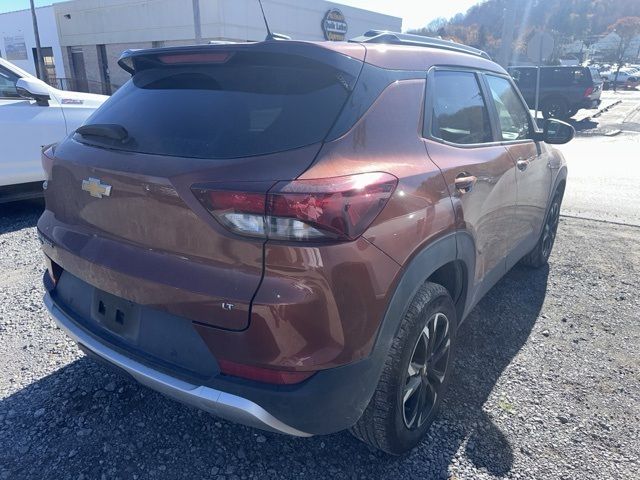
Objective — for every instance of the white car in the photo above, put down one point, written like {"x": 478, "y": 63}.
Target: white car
{"x": 625, "y": 78}
{"x": 32, "y": 115}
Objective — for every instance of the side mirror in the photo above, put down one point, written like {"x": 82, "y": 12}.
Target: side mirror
{"x": 35, "y": 89}
{"x": 557, "y": 132}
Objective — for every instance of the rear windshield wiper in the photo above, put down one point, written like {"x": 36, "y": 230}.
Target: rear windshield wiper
{"x": 105, "y": 130}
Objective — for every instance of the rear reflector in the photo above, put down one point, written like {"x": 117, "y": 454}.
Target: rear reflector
{"x": 339, "y": 208}
{"x": 54, "y": 270}
{"x": 265, "y": 375}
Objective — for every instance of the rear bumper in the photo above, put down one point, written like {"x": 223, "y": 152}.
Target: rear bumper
{"x": 590, "y": 103}
{"x": 330, "y": 401}
{"x": 222, "y": 404}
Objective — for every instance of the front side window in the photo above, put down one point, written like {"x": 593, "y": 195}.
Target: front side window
{"x": 8, "y": 84}
{"x": 460, "y": 114}
{"x": 512, "y": 115}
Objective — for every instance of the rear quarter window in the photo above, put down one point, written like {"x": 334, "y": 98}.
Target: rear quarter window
{"x": 8, "y": 84}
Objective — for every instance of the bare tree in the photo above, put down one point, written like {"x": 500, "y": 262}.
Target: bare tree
{"x": 626, "y": 28}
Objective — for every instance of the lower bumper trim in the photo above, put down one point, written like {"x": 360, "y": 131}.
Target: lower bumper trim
{"x": 217, "y": 402}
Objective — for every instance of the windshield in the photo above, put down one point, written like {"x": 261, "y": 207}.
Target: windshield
{"x": 252, "y": 104}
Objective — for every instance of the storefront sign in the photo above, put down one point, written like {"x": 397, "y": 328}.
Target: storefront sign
{"x": 15, "y": 48}
{"x": 334, "y": 25}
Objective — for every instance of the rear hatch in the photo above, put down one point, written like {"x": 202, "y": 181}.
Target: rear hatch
{"x": 121, "y": 208}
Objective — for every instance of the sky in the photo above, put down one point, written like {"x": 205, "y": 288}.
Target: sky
{"x": 414, "y": 13}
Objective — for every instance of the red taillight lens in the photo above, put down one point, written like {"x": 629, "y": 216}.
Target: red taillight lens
{"x": 339, "y": 208}
{"x": 588, "y": 91}
{"x": 265, "y": 375}
{"x": 343, "y": 207}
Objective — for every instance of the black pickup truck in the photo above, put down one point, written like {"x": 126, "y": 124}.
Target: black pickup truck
{"x": 563, "y": 90}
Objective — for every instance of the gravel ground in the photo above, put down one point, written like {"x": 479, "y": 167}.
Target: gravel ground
{"x": 546, "y": 386}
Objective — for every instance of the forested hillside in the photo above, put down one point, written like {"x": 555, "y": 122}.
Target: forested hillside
{"x": 567, "y": 20}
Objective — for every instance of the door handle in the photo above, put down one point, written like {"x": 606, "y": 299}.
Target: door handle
{"x": 465, "y": 182}
{"x": 522, "y": 164}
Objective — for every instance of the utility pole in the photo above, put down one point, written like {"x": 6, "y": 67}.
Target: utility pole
{"x": 42, "y": 73}
{"x": 196, "y": 21}
{"x": 507, "y": 33}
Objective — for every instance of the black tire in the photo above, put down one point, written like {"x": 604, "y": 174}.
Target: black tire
{"x": 539, "y": 256}
{"x": 555, "y": 107}
{"x": 392, "y": 422}
{"x": 572, "y": 112}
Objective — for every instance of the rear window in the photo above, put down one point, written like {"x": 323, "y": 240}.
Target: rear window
{"x": 565, "y": 76}
{"x": 595, "y": 75}
{"x": 252, "y": 104}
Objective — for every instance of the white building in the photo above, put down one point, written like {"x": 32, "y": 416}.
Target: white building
{"x": 87, "y": 36}
{"x": 18, "y": 44}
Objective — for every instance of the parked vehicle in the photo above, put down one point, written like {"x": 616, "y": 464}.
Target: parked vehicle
{"x": 32, "y": 115}
{"x": 625, "y": 78}
{"x": 563, "y": 90}
{"x": 288, "y": 236}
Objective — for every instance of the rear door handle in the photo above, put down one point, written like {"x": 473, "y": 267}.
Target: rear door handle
{"x": 465, "y": 182}
{"x": 553, "y": 165}
{"x": 522, "y": 164}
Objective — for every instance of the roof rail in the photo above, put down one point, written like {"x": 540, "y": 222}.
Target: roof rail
{"x": 396, "y": 38}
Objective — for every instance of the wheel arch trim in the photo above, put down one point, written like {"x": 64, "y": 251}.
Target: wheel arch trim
{"x": 453, "y": 247}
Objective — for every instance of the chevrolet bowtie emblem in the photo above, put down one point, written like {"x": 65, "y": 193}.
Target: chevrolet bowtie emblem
{"x": 96, "y": 188}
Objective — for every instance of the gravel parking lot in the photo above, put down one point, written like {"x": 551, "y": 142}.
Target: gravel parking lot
{"x": 547, "y": 385}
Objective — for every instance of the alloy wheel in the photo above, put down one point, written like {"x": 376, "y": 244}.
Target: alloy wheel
{"x": 426, "y": 371}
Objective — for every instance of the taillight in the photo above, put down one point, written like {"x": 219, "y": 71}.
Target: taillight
{"x": 265, "y": 375}
{"x": 339, "y": 208}
{"x": 588, "y": 91}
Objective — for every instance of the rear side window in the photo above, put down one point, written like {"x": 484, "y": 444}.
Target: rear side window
{"x": 252, "y": 104}
{"x": 8, "y": 84}
{"x": 564, "y": 76}
{"x": 459, "y": 112}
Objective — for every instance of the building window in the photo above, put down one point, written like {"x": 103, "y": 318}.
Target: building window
{"x": 49, "y": 65}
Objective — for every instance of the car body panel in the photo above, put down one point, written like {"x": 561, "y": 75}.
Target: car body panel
{"x": 183, "y": 269}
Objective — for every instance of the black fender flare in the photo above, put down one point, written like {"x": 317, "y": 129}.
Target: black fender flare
{"x": 561, "y": 176}
{"x": 456, "y": 246}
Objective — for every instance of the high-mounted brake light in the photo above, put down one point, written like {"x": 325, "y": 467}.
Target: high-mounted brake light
{"x": 210, "y": 57}
{"x": 339, "y": 208}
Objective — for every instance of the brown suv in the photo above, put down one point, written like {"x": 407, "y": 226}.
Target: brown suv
{"x": 288, "y": 234}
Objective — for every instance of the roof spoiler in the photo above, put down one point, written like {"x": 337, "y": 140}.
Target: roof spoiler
{"x": 135, "y": 59}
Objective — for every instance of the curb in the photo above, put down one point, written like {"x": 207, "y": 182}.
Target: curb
{"x": 601, "y": 111}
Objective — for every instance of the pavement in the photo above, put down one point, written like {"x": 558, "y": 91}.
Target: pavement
{"x": 622, "y": 115}
{"x": 604, "y": 169}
